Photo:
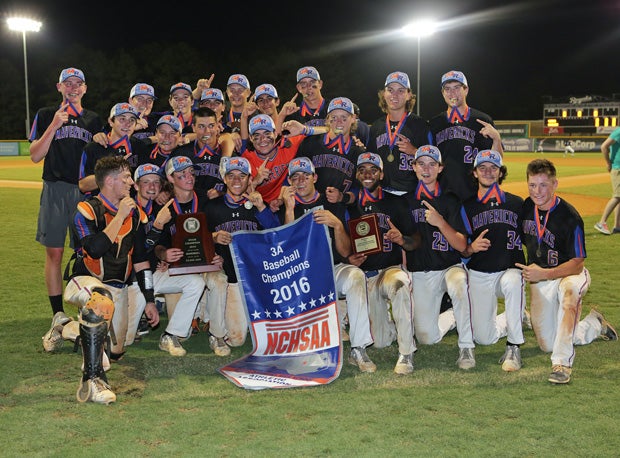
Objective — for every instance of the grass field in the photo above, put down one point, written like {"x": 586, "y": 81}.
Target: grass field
{"x": 183, "y": 407}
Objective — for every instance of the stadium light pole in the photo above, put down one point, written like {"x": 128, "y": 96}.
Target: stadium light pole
{"x": 420, "y": 28}
{"x": 23, "y": 25}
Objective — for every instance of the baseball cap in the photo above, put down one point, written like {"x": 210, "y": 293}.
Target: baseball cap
{"x": 430, "y": 151}
{"x": 300, "y": 164}
{"x": 341, "y": 103}
{"x": 146, "y": 169}
{"x": 370, "y": 158}
{"x": 265, "y": 89}
{"x": 453, "y": 75}
{"x": 69, "y": 72}
{"x": 261, "y": 122}
{"x": 142, "y": 89}
{"x": 488, "y": 155}
{"x": 398, "y": 77}
{"x": 308, "y": 72}
{"x": 228, "y": 164}
{"x": 184, "y": 86}
{"x": 123, "y": 108}
{"x": 178, "y": 164}
{"x": 212, "y": 94}
{"x": 239, "y": 79}
{"x": 172, "y": 121}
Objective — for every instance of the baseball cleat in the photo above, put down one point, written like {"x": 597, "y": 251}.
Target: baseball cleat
{"x": 404, "y": 365}
{"x": 52, "y": 340}
{"x": 171, "y": 344}
{"x": 359, "y": 358}
{"x": 218, "y": 345}
{"x": 560, "y": 374}
{"x": 602, "y": 228}
{"x": 511, "y": 361}
{"x": 466, "y": 360}
{"x": 607, "y": 330}
{"x": 95, "y": 390}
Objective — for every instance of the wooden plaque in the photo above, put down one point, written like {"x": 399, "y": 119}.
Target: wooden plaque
{"x": 193, "y": 236}
{"x": 365, "y": 235}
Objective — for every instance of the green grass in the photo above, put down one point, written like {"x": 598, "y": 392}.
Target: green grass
{"x": 183, "y": 407}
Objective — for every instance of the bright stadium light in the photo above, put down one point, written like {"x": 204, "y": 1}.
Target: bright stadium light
{"x": 23, "y": 25}
{"x": 419, "y": 29}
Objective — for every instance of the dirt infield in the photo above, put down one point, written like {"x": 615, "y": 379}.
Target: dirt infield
{"x": 586, "y": 205}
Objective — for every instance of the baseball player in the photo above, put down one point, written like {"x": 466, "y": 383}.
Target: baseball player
{"x": 554, "y": 237}
{"x": 568, "y": 148}
{"x": 302, "y": 197}
{"x": 181, "y": 101}
{"x": 109, "y": 228}
{"x": 395, "y": 137}
{"x": 493, "y": 226}
{"x": 142, "y": 97}
{"x": 238, "y": 92}
{"x": 313, "y": 110}
{"x": 389, "y": 286}
{"x": 459, "y": 133}
{"x": 213, "y": 98}
{"x": 435, "y": 265}
{"x": 335, "y": 154}
{"x": 58, "y": 136}
{"x": 240, "y": 208}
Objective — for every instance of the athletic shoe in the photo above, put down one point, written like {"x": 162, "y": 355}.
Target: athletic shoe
{"x": 404, "y": 365}
{"x": 95, "y": 390}
{"x": 466, "y": 360}
{"x": 616, "y": 230}
{"x": 511, "y": 361}
{"x": 607, "y": 331}
{"x": 359, "y": 358}
{"x": 527, "y": 319}
{"x": 560, "y": 374}
{"x": 602, "y": 228}
{"x": 171, "y": 344}
{"x": 218, "y": 345}
{"x": 52, "y": 340}
{"x": 71, "y": 331}
{"x": 143, "y": 326}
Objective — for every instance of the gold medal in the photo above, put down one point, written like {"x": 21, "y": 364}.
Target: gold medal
{"x": 390, "y": 157}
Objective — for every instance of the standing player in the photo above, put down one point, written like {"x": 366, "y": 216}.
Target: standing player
{"x": 541, "y": 146}
{"x": 611, "y": 153}
{"x": 554, "y": 237}
{"x": 58, "y": 136}
{"x": 494, "y": 228}
{"x": 459, "y": 133}
{"x": 302, "y": 197}
{"x": 142, "y": 97}
{"x": 395, "y": 137}
{"x": 238, "y": 91}
{"x": 435, "y": 265}
{"x": 312, "y": 111}
{"x": 389, "y": 286}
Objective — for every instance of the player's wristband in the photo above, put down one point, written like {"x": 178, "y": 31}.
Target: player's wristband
{"x": 145, "y": 282}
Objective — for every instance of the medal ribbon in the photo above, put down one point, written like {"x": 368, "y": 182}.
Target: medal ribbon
{"x": 422, "y": 191}
{"x": 494, "y": 192}
{"x": 177, "y": 205}
{"x": 394, "y": 136}
{"x": 73, "y": 111}
{"x": 455, "y": 117}
{"x": 157, "y": 150}
{"x": 232, "y": 204}
{"x": 338, "y": 143}
{"x": 182, "y": 120}
{"x": 540, "y": 231}
{"x": 365, "y": 196}
{"x": 313, "y": 199}
{"x": 306, "y": 110}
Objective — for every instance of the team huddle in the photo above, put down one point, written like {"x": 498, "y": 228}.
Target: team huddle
{"x": 448, "y": 232}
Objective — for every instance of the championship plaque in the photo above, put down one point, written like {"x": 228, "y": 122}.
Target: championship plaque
{"x": 194, "y": 238}
{"x": 365, "y": 235}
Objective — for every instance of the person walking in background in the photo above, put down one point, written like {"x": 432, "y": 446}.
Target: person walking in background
{"x": 611, "y": 153}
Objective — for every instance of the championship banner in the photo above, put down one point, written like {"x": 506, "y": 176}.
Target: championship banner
{"x": 287, "y": 283}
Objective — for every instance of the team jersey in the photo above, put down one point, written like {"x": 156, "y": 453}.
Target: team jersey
{"x": 434, "y": 252}
{"x": 278, "y": 166}
{"x": 225, "y": 215}
{"x": 62, "y": 162}
{"x": 231, "y": 121}
{"x": 145, "y": 134}
{"x": 98, "y": 256}
{"x": 311, "y": 117}
{"x": 561, "y": 233}
{"x": 208, "y": 175}
{"x": 335, "y": 161}
{"x": 387, "y": 207}
{"x": 155, "y": 155}
{"x": 459, "y": 140}
{"x": 398, "y": 166}
{"x": 129, "y": 148}
{"x": 498, "y": 212}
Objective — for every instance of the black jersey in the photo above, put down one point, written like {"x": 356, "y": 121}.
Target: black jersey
{"x": 154, "y": 155}
{"x": 434, "y": 253}
{"x": 459, "y": 140}
{"x": 225, "y": 215}
{"x": 398, "y": 166}
{"x": 145, "y": 134}
{"x": 131, "y": 149}
{"x": 499, "y": 212}
{"x": 208, "y": 175}
{"x": 335, "y": 161}
{"x": 308, "y": 116}
{"x": 387, "y": 207}
{"x": 561, "y": 233}
{"x": 62, "y": 162}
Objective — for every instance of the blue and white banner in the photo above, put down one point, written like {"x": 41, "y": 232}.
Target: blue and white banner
{"x": 286, "y": 276}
